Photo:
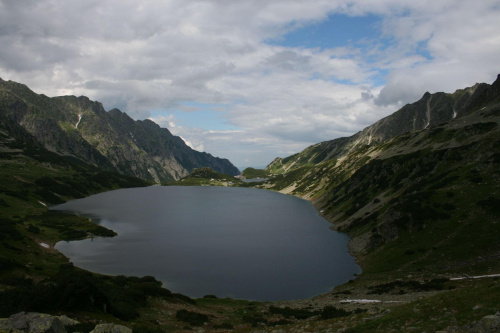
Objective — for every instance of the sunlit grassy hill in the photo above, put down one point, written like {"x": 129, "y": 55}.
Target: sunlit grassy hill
{"x": 252, "y": 173}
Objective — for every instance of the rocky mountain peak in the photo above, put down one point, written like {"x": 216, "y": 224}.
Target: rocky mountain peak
{"x": 81, "y": 128}
{"x": 428, "y": 112}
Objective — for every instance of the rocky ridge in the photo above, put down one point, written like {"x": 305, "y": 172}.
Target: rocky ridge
{"x": 430, "y": 111}
{"x": 79, "y": 127}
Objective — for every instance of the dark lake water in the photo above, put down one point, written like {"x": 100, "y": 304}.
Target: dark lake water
{"x": 229, "y": 242}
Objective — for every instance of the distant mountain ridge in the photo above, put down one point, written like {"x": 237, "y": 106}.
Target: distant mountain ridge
{"x": 79, "y": 127}
{"x": 430, "y": 111}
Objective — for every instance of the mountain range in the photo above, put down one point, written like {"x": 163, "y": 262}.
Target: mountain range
{"x": 81, "y": 128}
{"x": 430, "y": 111}
{"x": 418, "y": 193}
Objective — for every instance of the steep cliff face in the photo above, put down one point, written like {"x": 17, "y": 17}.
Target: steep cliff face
{"x": 430, "y": 111}
{"x": 79, "y": 127}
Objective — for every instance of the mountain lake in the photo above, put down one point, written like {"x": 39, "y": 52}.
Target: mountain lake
{"x": 232, "y": 242}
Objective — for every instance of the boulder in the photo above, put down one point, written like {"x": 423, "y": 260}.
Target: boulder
{"x": 32, "y": 322}
{"x": 66, "y": 321}
{"x": 490, "y": 323}
{"x": 111, "y": 328}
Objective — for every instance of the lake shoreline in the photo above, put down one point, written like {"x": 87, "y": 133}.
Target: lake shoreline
{"x": 324, "y": 257}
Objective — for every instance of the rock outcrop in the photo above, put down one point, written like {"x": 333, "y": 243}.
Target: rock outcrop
{"x": 487, "y": 324}
{"x": 33, "y": 322}
{"x": 111, "y": 328}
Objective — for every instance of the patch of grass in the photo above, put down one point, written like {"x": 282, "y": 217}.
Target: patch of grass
{"x": 470, "y": 301}
{"x": 330, "y": 312}
{"x": 8, "y": 230}
{"x": 255, "y": 319}
{"x": 491, "y": 205}
{"x": 410, "y": 285}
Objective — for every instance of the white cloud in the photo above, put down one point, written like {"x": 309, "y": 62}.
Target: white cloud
{"x": 198, "y": 146}
{"x": 158, "y": 55}
{"x": 460, "y": 38}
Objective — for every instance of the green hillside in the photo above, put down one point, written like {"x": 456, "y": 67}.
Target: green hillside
{"x": 207, "y": 177}
{"x": 251, "y": 173}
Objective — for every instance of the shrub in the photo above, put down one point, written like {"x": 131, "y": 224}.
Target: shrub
{"x": 124, "y": 311}
{"x": 330, "y": 312}
{"x": 33, "y": 229}
{"x": 6, "y": 263}
{"x": 491, "y": 205}
{"x": 8, "y": 230}
{"x": 288, "y": 312}
{"x": 193, "y": 318}
{"x": 255, "y": 320}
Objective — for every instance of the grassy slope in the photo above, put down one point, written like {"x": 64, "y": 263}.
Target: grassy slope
{"x": 251, "y": 173}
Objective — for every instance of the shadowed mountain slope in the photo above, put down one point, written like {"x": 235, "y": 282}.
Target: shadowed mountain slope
{"x": 79, "y": 127}
{"x": 411, "y": 184}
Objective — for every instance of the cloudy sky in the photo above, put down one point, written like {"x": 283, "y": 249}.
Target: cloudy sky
{"x": 250, "y": 80}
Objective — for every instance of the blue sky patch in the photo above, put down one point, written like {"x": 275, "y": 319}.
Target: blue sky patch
{"x": 198, "y": 115}
{"x": 336, "y": 31}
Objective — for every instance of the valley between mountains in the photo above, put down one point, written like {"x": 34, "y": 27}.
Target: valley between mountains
{"x": 418, "y": 192}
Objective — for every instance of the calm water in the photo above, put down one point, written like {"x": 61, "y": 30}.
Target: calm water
{"x": 230, "y": 242}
